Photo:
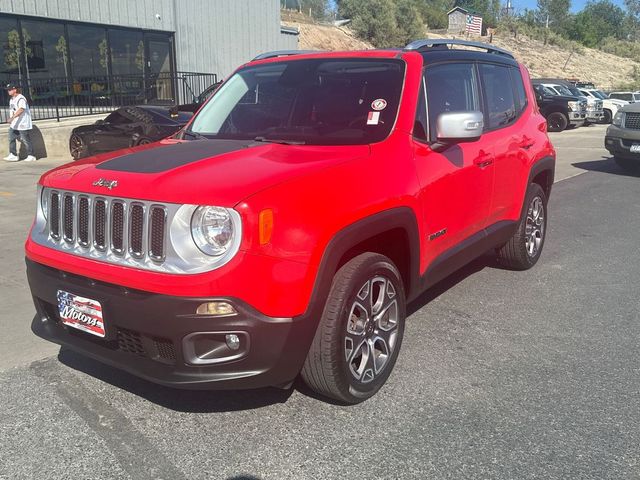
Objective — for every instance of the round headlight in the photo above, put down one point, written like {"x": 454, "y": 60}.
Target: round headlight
{"x": 44, "y": 202}
{"x": 212, "y": 230}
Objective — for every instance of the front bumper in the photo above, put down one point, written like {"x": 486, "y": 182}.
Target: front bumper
{"x": 596, "y": 116}
{"x": 149, "y": 335}
{"x": 621, "y": 147}
{"x": 577, "y": 118}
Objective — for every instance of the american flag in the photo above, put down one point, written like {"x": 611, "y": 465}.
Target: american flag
{"x": 474, "y": 24}
{"x": 81, "y": 313}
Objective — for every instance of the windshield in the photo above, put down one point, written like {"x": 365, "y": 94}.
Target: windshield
{"x": 318, "y": 101}
{"x": 562, "y": 90}
{"x": 598, "y": 94}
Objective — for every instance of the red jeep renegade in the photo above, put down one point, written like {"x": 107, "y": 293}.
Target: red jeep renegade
{"x": 284, "y": 230}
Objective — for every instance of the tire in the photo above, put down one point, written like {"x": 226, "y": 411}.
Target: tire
{"x": 78, "y": 147}
{"x": 523, "y": 250}
{"x": 630, "y": 166}
{"x": 557, "y": 122}
{"x": 341, "y": 363}
{"x": 608, "y": 116}
{"x": 143, "y": 141}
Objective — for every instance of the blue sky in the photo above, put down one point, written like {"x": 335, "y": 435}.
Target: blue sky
{"x": 520, "y": 5}
{"x": 576, "y": 5}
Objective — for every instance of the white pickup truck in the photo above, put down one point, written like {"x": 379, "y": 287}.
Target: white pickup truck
{"x": 610, "y": 105}
{"x": 595, "y": 112}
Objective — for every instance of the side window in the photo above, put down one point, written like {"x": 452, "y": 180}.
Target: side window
{"x": 451, "y": 87}
{"x": 421, "y": 124}
{"x": 501, "y": 108}
{"x": 518, "y": 87}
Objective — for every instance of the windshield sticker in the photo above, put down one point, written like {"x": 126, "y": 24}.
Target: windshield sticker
{"x": 373, "y": 118}
{"x": 379, "y": 104}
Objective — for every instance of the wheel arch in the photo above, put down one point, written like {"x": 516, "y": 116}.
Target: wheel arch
{"x": 393, "y": 233}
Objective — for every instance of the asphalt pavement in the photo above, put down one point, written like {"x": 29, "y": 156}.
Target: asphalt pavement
{"x": 502, "y": 374}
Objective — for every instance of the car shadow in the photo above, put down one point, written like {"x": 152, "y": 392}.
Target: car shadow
{"x": 212, "y": 401}
{"x": 189, "y": 401}
{"x": 605, "y": 165}
{"x": 487, "y": 260}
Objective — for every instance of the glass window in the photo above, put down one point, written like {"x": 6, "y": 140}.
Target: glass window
{"x": 127, "y": 52}
{"x": 451, "y": 87}
{"x": 46, "y": 49}
{"x": 10, "y": 66}
{"x": 421, "y": 124}
{"x": 346, "y": 101}
{"x": 88, "y": 48}
{"x": 496, "y": 84}
{"x": 518, "y": 87}
{"x": 117, "y": 118}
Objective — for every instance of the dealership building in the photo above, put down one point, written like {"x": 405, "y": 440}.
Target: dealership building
{"x": 78, "y": 54}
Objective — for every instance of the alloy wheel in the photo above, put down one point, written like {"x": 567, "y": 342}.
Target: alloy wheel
{"x": 372, "y": 329}
{"x": 534, "y": 227}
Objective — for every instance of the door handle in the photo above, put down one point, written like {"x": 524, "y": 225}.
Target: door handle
{"x": 483, "y": 160}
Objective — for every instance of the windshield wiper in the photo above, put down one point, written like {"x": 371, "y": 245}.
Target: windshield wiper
{"x": 192, "y": 134}
{"x": 279, "y": 140}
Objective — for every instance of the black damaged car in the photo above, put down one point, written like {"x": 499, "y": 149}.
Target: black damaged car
{"x": 126, "y": 127}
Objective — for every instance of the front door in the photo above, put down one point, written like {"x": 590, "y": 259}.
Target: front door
{"x": 456, "y": 182}
{"x": 159, "y": 70}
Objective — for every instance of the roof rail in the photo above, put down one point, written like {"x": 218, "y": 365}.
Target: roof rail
{"x": 282, "y": 53}
{"x": 421, "y": 45}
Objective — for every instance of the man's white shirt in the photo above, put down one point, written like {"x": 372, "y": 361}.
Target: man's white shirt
{"x": 22, "y": 121}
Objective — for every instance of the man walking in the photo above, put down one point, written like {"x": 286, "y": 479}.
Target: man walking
{"x": 19, "y": 125}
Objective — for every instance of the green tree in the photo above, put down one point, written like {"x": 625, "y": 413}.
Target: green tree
{"x": 372, "y": 20}
{"x": 556, "y": 12}
{"x": 410, "y": 25}
{"x": 597, "y": 21}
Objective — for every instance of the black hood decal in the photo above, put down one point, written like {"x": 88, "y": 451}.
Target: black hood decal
{"x": 163, "y": 158}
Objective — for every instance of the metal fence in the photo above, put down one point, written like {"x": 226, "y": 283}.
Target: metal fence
{"x": 56, "y": 98}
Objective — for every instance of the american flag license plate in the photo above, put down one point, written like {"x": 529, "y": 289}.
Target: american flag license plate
{"x": 82, "y": 313}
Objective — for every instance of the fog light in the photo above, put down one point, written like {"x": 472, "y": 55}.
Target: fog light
{"x": 233, "y": 341}
{"x": 216, "y": 308}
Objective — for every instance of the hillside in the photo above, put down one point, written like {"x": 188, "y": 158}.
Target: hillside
{"x": 603, "y": 69}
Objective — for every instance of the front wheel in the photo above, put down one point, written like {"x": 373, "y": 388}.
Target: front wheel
{"x": 78, "y": 147}
{"x": 523, "y": 250}
{"x": 607, "y": 117}
{"x": 359, "y": 336}
{"x": 557, "y": 122}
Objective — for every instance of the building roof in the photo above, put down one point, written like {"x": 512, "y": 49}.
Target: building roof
{"x": 464, "y": 10}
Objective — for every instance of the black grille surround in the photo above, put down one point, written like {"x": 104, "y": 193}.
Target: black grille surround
{"x": 632, "y": 120}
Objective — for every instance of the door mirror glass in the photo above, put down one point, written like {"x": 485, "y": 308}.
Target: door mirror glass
{"x": 456, "y": 127}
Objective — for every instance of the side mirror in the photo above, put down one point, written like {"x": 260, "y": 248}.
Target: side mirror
{"x": 457, "y": 127}
{"x": 100, "y": 122}
{"x": 539, "y": 98}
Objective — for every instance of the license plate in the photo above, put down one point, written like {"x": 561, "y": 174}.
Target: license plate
{"x": 635, "y": 148}
{"x": 82, "y": 313}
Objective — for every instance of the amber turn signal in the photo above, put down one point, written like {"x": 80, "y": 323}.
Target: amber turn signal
{"x": 265, "y": 226}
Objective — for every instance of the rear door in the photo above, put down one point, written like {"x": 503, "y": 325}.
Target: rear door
{"x": 456, "y": 182}
{"x": 512, "y": 134}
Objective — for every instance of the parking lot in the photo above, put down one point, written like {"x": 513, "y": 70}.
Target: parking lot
{"x": 502, "y": 374}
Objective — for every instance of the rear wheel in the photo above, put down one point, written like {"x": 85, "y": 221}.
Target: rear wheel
{"x": 557, "y": 122}
{"x": 360, "y": 332}
{"x": 523, "y": 250}
{"x": 143, "y": 141}
{"x": 78, "y": 147}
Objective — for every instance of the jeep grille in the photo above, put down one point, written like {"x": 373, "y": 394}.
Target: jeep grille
{"x": 95, "y": 226}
